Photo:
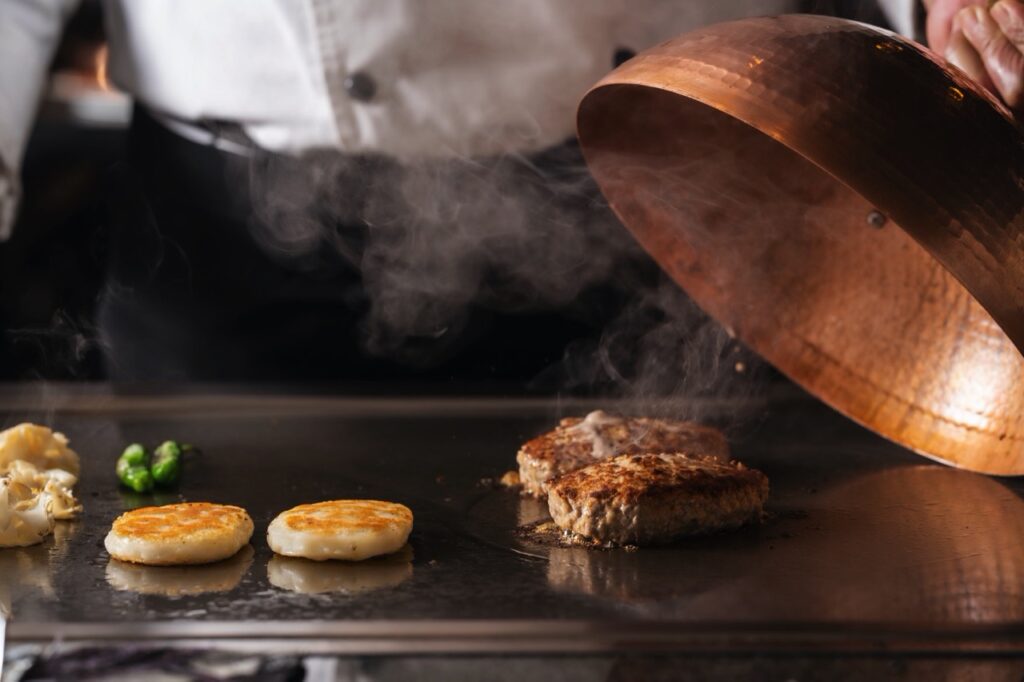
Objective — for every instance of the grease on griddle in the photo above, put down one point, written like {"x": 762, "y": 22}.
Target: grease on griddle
{"x": 546, "y": 533}
{"x": 507, "y": 481}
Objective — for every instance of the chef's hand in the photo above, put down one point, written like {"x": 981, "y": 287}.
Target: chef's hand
{"x": 987, "y": 43}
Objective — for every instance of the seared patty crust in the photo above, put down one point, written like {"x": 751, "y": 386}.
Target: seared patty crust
{"x": 646, "y": 499}
{"x": 576, "y": 443}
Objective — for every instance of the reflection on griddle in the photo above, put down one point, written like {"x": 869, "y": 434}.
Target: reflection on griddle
{"x": 179, "y": 581}
{"x": 606, "y": 574}
{"x": 641, "y": 575}
{"x": 952, "y": 545}
{"x": 131, "y": 500}
{"x": 531, "y": 510}
{"x": 29, "y": 567}
{"x": 621, "y": 574}
{"x": 345, "y": 577}
{"x": 921, "y": 545}
{"x": 63, "y": 531}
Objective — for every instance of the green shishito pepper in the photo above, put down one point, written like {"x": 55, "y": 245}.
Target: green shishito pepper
{"x": 138, "y": 479}
{"x": 133, "y": 456}
{"x": 166, "y": 464}
{"x": 136, "y": 470}
{"x": 133, "y": 470}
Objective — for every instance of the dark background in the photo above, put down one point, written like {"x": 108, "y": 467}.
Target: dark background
{"x": 52, "y": 270}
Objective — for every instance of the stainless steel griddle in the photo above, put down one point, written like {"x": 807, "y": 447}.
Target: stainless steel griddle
{"x": 868, "y": 547}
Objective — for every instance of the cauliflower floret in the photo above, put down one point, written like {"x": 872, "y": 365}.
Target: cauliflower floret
{"x": 25, "y": 517}
{"x": 39, "y": 446}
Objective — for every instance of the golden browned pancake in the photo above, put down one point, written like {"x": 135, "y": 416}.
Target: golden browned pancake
{"x": 187, "y": 533}
{"x": 340, "y": 529}
{"x": 644, "y": 499}
{"x": 576, "y": 443}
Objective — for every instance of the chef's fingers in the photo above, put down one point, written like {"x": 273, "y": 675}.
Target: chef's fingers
{"x": 1009, "y": 76}
{"x": 1001, "y": 54}
{"x": 939, "y": 20}
{"x": 960, "y": 52}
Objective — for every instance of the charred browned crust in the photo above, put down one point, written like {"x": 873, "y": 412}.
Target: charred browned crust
{"x": 653, "y": 474}
{"x": 568, "y": 447}
{"x": 651, "y": 498}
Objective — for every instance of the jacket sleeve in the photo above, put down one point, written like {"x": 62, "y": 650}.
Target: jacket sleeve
{"x": 904, "y": 16}
{"x": 29, "y": 33}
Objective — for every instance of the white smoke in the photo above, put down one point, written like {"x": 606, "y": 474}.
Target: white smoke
{"x": 434, "y": 240}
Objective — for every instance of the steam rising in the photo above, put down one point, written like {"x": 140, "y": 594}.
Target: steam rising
{"x": 662, "y": 346}
{"x": 434, "y": 243}
{"x": 68, "y": 346}
{"x": 434, "y": 240}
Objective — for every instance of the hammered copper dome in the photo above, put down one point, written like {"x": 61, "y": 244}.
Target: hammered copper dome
{"x": 844, "y": 203}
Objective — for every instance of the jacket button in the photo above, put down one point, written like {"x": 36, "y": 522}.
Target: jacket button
{"x": 623, "y": 55}
{"x": 360, "y": 86}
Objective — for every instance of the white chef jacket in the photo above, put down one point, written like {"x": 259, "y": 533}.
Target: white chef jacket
{"x": 447, "y": 76}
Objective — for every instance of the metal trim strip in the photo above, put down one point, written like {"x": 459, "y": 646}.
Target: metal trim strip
{"x": 535, "y": 636}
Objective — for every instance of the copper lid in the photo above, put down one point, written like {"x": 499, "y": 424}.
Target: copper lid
{"x": 845, "y": 204}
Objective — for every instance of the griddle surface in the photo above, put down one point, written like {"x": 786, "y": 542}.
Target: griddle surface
{"x": 865, "y": 542}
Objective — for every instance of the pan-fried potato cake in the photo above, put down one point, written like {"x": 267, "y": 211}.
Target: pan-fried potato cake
{"x": 576, "y": 443}
{"x": 646, "y": 499}
{"x": 187, "y": 533}
{"x": 352, "y": 530}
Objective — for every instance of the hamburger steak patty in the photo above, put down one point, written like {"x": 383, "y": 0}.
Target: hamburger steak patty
{"x": 645, "y": 499}
{"x": 576, "y": 443}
